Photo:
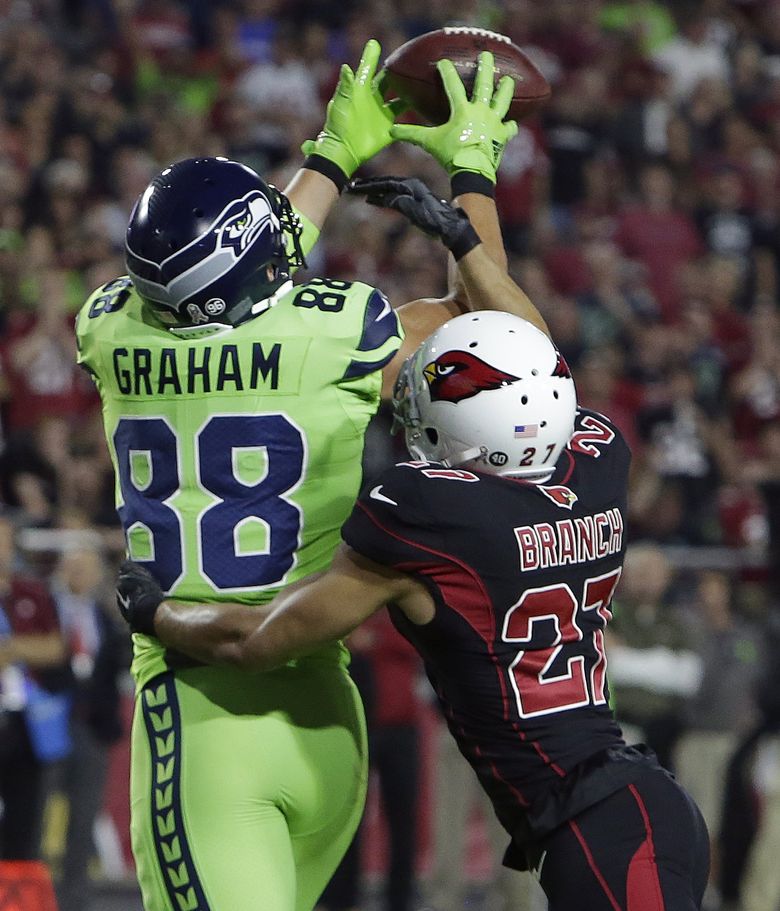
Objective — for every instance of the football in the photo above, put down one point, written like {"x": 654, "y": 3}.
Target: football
{"x": 411, "y": 72}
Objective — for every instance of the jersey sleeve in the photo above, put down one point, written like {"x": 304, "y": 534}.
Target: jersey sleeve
{"x": 387, "y": 524}
{"x": 104, "y": 301}
{"x": 597, "y": 436}
{"x": 379, "y": 333}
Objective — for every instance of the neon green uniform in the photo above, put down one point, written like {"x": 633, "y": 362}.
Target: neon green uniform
{"x": 237, "y": 456}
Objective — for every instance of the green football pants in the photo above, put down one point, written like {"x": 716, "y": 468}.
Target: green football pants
{"x": 245, "y": 789}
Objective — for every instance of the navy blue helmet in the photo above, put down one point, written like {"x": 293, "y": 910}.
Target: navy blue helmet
{"x": 206, "y": 242}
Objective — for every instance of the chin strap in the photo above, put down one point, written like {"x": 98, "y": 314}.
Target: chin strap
{"x": 460, "y": 458}
{"x": 214, "y": 328}
{"x": 453, "y": 461}
{"x": 199, "y": 331}
{"x": 273, "y": 300}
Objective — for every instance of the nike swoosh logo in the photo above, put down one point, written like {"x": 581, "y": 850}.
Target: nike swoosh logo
{"x": 124, "y": 600}
{"x": 376, "y": 495}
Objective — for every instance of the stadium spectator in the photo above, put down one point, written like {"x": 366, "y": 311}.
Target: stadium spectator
{"x": 723, "y": 707}
{"x": 98, "y": 654}
{"x": 694, "y": 54}
{"x": 652, "y": 667}
{"x": 660, "y": 235}
{"x": 33, "y": 721}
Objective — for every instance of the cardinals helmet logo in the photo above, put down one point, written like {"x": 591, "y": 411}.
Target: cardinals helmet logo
{"x": 561, "y": 367}
{"x": 458, "y": 375}
{"x": 560, "y": 495}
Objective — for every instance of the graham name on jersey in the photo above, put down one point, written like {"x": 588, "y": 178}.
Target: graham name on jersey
{"x": 196, "y": 370}
{"x": 577, "y": 540}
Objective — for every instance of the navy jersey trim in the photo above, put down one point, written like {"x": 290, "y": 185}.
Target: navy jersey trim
{"x": 378, "y": 325}
{"x": 160, "y": 708}
{"x": 361, "y": 368}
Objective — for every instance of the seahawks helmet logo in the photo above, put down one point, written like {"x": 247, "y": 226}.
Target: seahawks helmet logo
{"x": 243, "y": 220}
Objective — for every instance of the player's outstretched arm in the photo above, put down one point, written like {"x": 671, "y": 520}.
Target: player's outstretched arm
{"x": 312, "y": 613}
{"x": 483, "y": 215}
{"x": 469, "y": 146}
{"x": 357, "y": 126}
{"x": 487, "y": 284}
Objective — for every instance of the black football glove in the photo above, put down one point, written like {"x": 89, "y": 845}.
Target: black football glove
{"x": 138, "y": 596}
{"x": 412, "y": 198}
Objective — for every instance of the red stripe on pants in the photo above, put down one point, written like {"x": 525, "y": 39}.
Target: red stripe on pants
{"x": 643, "y": 888}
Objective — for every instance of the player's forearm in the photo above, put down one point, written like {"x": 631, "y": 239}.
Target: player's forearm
{"x": 483, "y": 215}
{"x": 319, "y": 610}
{"x": 313, "y": 195}
{"x": 212, "y": 633}
{"x": 254, "y": 638}
{"x": 490, "y": 287}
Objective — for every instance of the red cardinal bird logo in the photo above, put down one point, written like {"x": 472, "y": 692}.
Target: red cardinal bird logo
{"x": 561, "y": 367}
{"x": 561, "y": 496}
{"x": 458, "y": 375}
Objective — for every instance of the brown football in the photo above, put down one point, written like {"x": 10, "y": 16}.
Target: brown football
{"x": 412, "y": 74}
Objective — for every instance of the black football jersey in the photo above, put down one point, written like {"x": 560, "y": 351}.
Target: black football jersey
{"x": 522, "y": 575}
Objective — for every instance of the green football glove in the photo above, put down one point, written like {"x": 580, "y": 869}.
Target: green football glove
{"x": 474, "y": 137}
{"x": 357, "y": 119}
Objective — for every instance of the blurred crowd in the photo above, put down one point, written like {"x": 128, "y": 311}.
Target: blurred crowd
{"x": 641, "y": 211}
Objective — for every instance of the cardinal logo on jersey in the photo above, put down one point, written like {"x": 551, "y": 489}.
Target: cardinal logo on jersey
{"x": 561, "y": 367}
{"x": 458, "y": 375}
{"x": 560, "y": 495}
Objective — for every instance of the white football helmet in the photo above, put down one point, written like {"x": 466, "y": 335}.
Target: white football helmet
{"x": 488, "y": 391}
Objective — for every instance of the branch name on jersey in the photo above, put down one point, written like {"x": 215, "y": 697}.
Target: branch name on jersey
{"x": 577, "y": 540}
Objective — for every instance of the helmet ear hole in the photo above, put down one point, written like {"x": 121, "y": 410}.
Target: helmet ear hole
{"x": 433, "y": 435}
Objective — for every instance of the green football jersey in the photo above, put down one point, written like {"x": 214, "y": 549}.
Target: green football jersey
{"x": 237, "y": 451}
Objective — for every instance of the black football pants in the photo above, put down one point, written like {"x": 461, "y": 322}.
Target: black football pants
{"x": 644, "y": 848}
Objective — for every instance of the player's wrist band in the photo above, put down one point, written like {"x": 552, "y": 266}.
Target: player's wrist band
{"x": 471, "y": 182}
{"x": 465, "y": 242}
{"x": 327, "y": 168}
